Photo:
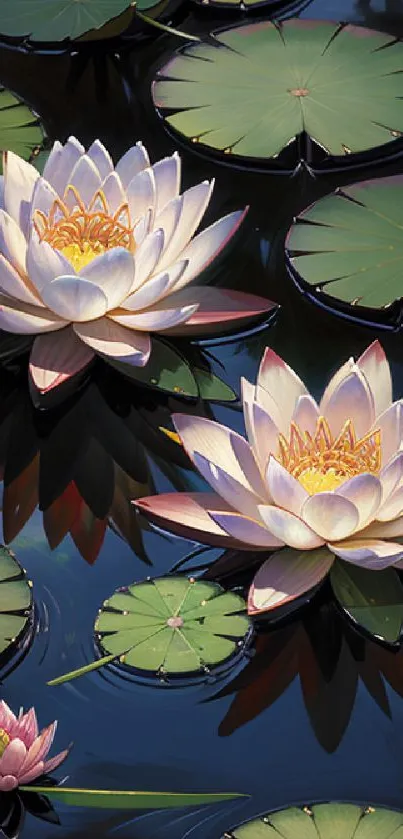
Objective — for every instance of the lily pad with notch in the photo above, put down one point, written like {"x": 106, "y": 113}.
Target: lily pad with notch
{"x": 331, "y": 820}
{"x": 20, "y": 130}
{"x": 346, "y": 251}
{"x": 16, "y": 604}
{"x": 57, "y": 20}
{"x": 250, "y": 91}
{"x": 373, "y": 600}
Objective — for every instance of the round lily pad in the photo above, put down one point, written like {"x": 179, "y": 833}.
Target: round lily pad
{"x": 251, "y": 90}
{"x": 20, "y": 131}
{"x": 347, "y": 248}
{"x": 323, "y": 821}
{"x": 16, "y": 603}
{"x": 56, "y": 20}
{"x": 172, "y": 625}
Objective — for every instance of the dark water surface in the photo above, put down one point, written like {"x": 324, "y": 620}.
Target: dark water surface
{"x": 282, "y": 740}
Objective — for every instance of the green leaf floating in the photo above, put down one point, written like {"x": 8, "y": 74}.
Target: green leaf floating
{"x": 166, "y": 370}
{"x": 351, "y": 243}
{"x": 170, "y": 625}
{"x": 373, "y": 599}
{"x": 212, "y": 388}
{"x": 254, "y": 88}
{"x": 15, "y": 600}
{"x": 126, "y": 800}
{"x": 20, "y": 131}
{"x": 56, "y": 20}
{"x": 324, "y": 821}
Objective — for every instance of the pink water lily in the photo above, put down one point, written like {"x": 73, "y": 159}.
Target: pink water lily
{"x": 23, "y": 750}
{"x": 310, "y": 475}
{"x": 95, "y": 257}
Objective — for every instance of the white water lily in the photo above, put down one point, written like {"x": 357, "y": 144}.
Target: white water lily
{"x": 95, "y": 257}
{"x": 309, "y": 475}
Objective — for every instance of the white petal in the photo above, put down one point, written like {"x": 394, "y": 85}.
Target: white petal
{"x": 285, "y": 576}
{"x": 368, "y": 553}
{"x": 168, "y": 222}
{"x": 44, "y": 263}
{"x": 269, "y": 404}
{"x": 28, "y": 320}
{"x": 390, "y": 424}
{"x": 2, "y": 192}
{"x": 261, "y": 430}
{"x": 110, "y": 339}
{"x": 147, "y": 256}
{"x": 142, "y": 228}
{"x": 391, "y": 475}
{"x": 221, "y": 446}
{"x": 246, "y": 530}
{"x": 101, "y": 157}
{"x": 155, "y": 288}
{"x": 393, "y": 507}
{"x": 19, "y": 181}
{"x": 52, "y": 163}
{"x": 59, "y": 166}
{"x": 306, "y": 413}
{"x": 55, "y": 358}
{"x": 13, "y": 244}
{"x": 351, "y": 400}
{"x": 85, "y": 179}
{"x": 75, "y": 299}
{"x": 208, "y": 244}
{"x": 43, "y": 197}
{"x": 335, "y": 381}
{"x": 289, "y": 528}
{"x": 331, "y": 516}
{"x": 383, "y": 530}
{"x": 141, "y": 195}
{"x": 167, "y": 173}
{"x": 113, "y": 272}
{"x": 280, "y": 381}
{"x": 365, "y": 492}
{"x": 284, "y": 489}
{"x": 193, "y": 206}
{"x": 113, "y": 191}
{"x": 375, "y": 367}
{"x": 232, "y": 491}
{"x": 15, "y": 285}
{"x": 155, "y": 320}
{"x": 133, "y": 161}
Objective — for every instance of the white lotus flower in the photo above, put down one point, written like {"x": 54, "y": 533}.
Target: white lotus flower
{"x": 93, "y": 258}
{"x": 310, "y": 475}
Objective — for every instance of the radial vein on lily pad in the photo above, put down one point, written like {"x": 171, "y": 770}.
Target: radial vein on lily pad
{"x": 309, "y": 475}
{"x": 23, "y": 749}
{"x": 95, "y": 257}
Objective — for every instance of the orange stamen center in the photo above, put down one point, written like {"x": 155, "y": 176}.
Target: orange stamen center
{"x": 321, "y": 462}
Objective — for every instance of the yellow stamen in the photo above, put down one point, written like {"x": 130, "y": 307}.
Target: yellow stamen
{"x": 4, "y": 741}
{"x": 322, "y": 462}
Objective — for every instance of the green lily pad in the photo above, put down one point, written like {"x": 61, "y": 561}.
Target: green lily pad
{"x": 20, "y": 131}
{"x": 128, "y": 800}
{"x": 324, "y": 821}
{"x": 166, "y": 370}
{"x": 350, "y": 244}
{"x": 253, "y": 89}
{"x": 212, "y": 388}
{"x": 373, "y": 599}
{"x": 15, "y": 601}
{"x": 56, "y": 20}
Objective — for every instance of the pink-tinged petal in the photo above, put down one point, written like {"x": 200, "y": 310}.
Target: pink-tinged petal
{"x": 27, "y": 320}
{"x": 188, "y": 515}
{"x": 113, "y": 340}
{"x": 269, "y": 404}
{"x": 85, "y": 179}
{"x": 351, "y": 400}
{"x": 391, "y": 475}
{"x": 156, "y": 319}
{"x": 61, "y": 162}
{"x": 56, "y": 761}
{"x": 368, "y": 553}
{"x": 168, "y": 221}
{"x": 113, "y": 273}
{"x": 285, "y": 576}
{"x": 280, "y": 381}
{"x": 147, "y": 256}
{"x": 43, "y": 197}
{"x": 262, "y": 432}
{"x": 306, "y": 413}
{"x": 15, "y": 285}
{"x": 393, "y": 507}
{"x": 193, "y": 206}
{"x": 383, "y": 530}
{"x": 365, "y": 492}
{"x": 222, "y": 447}
{"x": 331, "y": 516}
{"x": 13, "y": 244}
{"x": 7, "y": 718}
{"x": 289, "y": 528}
{"x": 40, "y": 748}
{"x": 208, "y": 244}
{"x": 8, "y": 783}
{"x": 246, "y": 530}
{"x": 44, "y": 263}
{"x": 113, "y": 191}
{"x": 32, "y": 774}
{"x": 75, "y": 299}
{"x": 101, "y": 157}
{"x": 154, "y": 289}
{"x": 27, "y": 727}
{"x": 375, "y": 367}
{"x": 13, "y": 758}
{"x": 141, "y": 195}
{"x": 390, "y": 424}
{"x": 2, "y": 192}
{"x": 55, "y": 358}
{"x": 167, "y": 174}
{"x": 218, "y": 310}
{"x": 284, "y": 489}
{"x": 233, "y": 492}
{"x": 19, "y": 181}
{"x": 334, "y": 383}
{"x": 133, "y": 161}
